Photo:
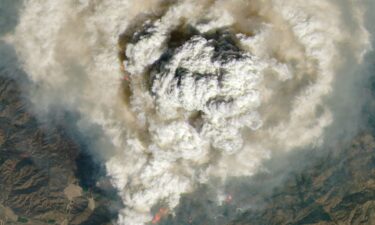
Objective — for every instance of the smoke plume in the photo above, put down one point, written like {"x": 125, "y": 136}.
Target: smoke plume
{"x": 187, "y": 91}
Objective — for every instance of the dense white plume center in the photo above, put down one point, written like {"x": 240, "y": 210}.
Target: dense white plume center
{"x": 250, "y": 80}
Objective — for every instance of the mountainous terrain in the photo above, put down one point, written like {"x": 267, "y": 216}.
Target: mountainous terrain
{"x": 47, "y": 177}
{"x": 338, "y": 189}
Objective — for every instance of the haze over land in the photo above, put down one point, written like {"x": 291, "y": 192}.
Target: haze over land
{"x": 173, "y": 95}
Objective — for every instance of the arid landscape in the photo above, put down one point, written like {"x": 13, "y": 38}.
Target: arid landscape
{"x": 40, "y": 180}
{"x": 47, "y": 178}
{"x": 187, "y": 112}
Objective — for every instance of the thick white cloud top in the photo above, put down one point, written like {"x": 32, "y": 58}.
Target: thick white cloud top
{"x": 244, "y": 79}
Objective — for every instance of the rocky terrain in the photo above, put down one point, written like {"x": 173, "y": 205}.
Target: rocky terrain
{"x": 45, "y": 175}
{"x": 330, "y": 186}
{"x": 335, "y": 188}
{"x": 338, "y": 189}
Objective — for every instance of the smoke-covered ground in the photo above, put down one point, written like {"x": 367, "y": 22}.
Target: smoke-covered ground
{"x": 180, "y": 95}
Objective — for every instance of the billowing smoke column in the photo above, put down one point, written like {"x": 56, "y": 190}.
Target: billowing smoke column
{"x": 211, "y": 88}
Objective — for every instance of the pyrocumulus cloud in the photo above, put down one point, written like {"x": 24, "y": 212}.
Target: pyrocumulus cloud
{"x": 189, "y": 90}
